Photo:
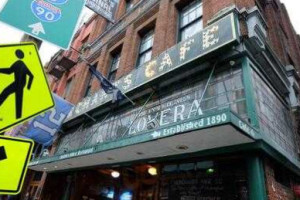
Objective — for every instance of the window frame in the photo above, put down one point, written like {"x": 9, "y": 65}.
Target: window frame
{"x": 88, "y": 89}
{"x": 68, "y": 87}
{"x": 149, "y": 35}
{"x": 191, "y": 23}
{"x": 115, "y": 58}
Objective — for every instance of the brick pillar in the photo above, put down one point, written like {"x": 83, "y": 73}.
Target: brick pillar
{"x": 129, "y": 51}
{"x": 98, "y": 29}
{"x": 212, "y": 7}
{"x": 273, "y": 31}
{"x": 161, "y": 28}
{"x": 121, "y": 9}
{"x": 172, "y": 27}
{"x": 102, "y": 64}
{"x": 79, "y": 85}
{"x": 62, "y": 84}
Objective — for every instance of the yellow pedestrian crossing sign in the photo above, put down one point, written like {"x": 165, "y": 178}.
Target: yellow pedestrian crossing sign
{"x": 15, "y": 154}
{"x": 24, "y": 90}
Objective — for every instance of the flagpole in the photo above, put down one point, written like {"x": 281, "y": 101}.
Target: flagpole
{"x": 87, "y": 62}
{"x": 207, "y": 83}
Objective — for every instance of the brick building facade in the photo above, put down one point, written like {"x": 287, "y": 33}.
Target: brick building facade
{"x": 265, "y": 56}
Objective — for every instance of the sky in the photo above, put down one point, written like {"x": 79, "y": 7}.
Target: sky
{"x": 12, "y": 35}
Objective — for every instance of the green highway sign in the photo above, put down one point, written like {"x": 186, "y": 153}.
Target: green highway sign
{"x": 51, "y": 20}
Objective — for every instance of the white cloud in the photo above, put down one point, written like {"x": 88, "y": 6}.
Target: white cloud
{"x": 293, "y": 10}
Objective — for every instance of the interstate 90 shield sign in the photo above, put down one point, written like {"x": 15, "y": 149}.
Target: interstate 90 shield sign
{"x": 51, "y": 20}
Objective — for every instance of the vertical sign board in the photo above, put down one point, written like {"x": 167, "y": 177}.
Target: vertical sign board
{"x": 15, "y": 154}
{"x": 51, "y": 20}
{"x": 44, "y": 127}
{"x": 105, "y": 8}
{"x": 24, "y": 90}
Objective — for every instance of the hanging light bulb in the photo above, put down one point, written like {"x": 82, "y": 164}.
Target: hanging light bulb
{"x": 152, "y": 171}
{"x": 115, "y": 174}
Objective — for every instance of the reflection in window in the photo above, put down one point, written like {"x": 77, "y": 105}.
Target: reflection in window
{"x": 191, "y": 20}
{"x": 115, "y": 62}
{"x": 129, "y": 5}
{"x": 279, "y": 128}
{"x": 225, "y": 91}
{"x": 145, "y": 52}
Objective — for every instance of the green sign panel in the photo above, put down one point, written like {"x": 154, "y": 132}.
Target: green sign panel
{"x": 51, "y": 20}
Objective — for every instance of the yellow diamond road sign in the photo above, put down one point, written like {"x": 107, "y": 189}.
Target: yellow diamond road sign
{"x": 15, "y": 154}
{"x": 24, "y": 90}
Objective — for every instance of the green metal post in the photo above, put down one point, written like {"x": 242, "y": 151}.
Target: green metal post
{"x": 249, "y": 92}
{"x": 256, "y": 179}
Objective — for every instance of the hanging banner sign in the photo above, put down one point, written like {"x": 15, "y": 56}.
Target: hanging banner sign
{"x": 105, "y": 8}
{"x": 51, "y": 20}
{"x": 44, "y": 128}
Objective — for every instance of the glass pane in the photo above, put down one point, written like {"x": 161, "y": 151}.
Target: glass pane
{"x": 190, "y": 13}
{"x": 191, "y": 30}
{"x": 148, "y": 56}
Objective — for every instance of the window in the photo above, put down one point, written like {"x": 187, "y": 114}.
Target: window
{"x": 115, "y": 61}
{"x": 191, "y": 20}
{"x": 88, "y": 91}
{"x": 129, "y": 5}
{"x": 145, "y": 51}
{"x": 68, "y": 88}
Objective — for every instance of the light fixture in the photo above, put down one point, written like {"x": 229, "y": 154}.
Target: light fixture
{"x": 55, "y": 167}
{"x": 152, "y": 171}
{"x": 210, "y": 171}
{"x": 115, "y": 174}
{"x": 182, "y": 147}
{"x": 232, "y": 63}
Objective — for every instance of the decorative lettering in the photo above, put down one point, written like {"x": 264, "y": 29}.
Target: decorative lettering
{"x": 166, "y": 62}
{"x": 150, "y": 72}
{"x": 210, "y": 37}
{"x": 186, "y": 47}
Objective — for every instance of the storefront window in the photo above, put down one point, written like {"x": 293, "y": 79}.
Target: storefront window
{"x": 182, "y": 180}
{"x": 204, "y": 180}
{"x": 179, "y": 104}
{"x": 278, "y": 128}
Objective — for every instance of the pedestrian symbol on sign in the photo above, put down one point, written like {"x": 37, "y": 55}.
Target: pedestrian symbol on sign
{"x": 20, "y": 71}
{"x": 2, "y": 153}
{"x": 24, "y": 90}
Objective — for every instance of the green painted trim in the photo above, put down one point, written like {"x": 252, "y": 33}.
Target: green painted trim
{"x": 256, "y": 178}
{"x": 249, "y": 92}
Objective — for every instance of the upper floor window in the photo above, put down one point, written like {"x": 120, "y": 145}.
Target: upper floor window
{"x": 88, "y": 90}
{"x": 115, "y": 62}
{"x": 68, "y": 88}
{"x": 129, "y": 5}
{"x": 145, "y": 52}
{"x": 191, "y": 20}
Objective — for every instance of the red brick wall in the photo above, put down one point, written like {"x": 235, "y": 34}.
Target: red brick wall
{"x": 165, "y": 17}
{"x": 275, "y": 190}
